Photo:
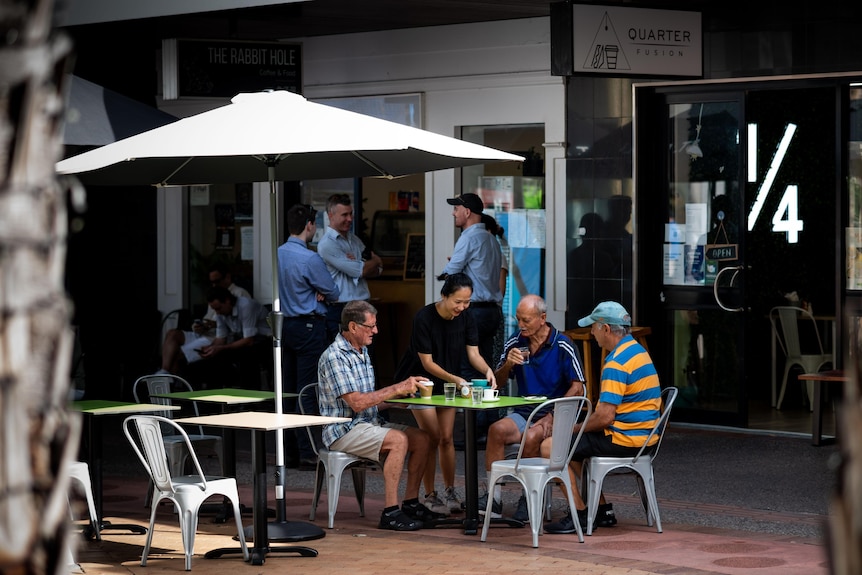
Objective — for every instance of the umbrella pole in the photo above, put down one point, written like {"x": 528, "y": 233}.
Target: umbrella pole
{"x": 281, "y": 529}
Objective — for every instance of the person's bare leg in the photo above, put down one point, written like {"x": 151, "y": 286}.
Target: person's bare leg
{"x": 446, "y": 425}
{"x": 418, "y": 445}
{"x": 171, "y": 352}
{"x": 502, "y": 432}
{"x": 394, "y": 447}
{"x": 575, "y": 469}
{"x": 427, "y": 421}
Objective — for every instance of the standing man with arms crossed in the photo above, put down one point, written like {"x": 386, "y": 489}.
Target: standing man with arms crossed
{"x": 347, "y": 384}
{"x": 304, "y": 288}
{"x": 552, "y": 368}
{"x": 628, "y": 408}
{"x": 342, "y": 251}
{"x": 478, "y": 254}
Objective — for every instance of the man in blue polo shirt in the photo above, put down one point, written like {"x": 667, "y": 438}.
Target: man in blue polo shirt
{"x": 552, "y": 368}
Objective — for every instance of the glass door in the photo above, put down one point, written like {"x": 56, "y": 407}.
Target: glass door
{"x": 750, "y": 224}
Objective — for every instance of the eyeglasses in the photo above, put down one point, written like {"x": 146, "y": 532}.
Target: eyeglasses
{"x": 373, "y": 326}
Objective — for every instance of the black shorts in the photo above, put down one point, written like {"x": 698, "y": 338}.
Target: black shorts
{"x": 597, "y": 443}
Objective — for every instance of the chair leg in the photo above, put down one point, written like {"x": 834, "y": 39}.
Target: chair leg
{"x": 333, "y": 489}
{"x": 359, "y": 487}
{"x": 189, "y": 527}
{"x": 787, "y": 369}
{"x": 153, "y": 508}
{"x": 319, "y": 474}
{"x": 594, "y": 494}
{"x": 534, "y": 510}
{"x": 568, "y": 486}
{"x": 646, "y": 481}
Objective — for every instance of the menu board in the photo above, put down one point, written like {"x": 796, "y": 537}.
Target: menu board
{"x": 414, "y": 257}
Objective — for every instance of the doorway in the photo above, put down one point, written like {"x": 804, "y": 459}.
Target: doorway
{"x": 749, "y": 222}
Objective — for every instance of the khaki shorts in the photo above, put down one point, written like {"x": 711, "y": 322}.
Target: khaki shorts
{"x": 365, "y": 440}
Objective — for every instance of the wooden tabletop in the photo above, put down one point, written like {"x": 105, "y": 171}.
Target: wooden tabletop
{"x": 261, "y": 420}
{"x": 831, "y": 375}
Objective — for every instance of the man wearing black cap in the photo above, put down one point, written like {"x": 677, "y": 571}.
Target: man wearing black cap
{"x": 477, "y": 254}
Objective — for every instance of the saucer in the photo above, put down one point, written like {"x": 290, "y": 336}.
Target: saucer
{"x": 490, "y": 400}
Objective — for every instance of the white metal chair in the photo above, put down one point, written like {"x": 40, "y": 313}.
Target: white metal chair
{"x": 785, "y": 325}
{"x": 535, "y": 473}
{"x": 596, "y": 468}
{"x": 174, "y": 444}
{"x": 332, "y": 464}
{"x": 79, "y": 474}
{"x": 188, "y": 492}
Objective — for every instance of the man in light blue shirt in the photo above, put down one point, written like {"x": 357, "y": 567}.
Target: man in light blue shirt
{"x": 343, "y": 252}
{"x": 477, "y": 254}
{"x": 304, "y": 289}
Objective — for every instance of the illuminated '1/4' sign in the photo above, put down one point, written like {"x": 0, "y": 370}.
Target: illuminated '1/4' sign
{"x": 786, "y": 216}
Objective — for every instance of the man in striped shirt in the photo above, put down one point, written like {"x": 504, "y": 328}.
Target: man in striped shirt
{"x": 629, "y": 406}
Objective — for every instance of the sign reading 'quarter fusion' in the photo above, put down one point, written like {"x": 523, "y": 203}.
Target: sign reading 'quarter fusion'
{"x": 219, "y": 68}
{"x": 622, "y": 41}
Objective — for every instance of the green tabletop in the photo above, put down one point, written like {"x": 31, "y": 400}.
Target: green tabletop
{"x": 104, "y": 406}
{"x": 467, "y": 403}
{"x": 224, "y": 395}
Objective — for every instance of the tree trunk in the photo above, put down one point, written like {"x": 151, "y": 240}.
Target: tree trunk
{"x": 38, "y": 435}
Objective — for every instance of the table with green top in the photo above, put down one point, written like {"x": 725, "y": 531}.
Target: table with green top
{"x": 471, "y": 450}
{"x": 94, "y": 409}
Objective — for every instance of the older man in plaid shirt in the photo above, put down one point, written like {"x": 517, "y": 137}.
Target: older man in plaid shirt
{"x": 347, "y": 389}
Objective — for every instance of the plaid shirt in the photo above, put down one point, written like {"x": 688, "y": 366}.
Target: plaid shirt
{"x": 342, "y": 369}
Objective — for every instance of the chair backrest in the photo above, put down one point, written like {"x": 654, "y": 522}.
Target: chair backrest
{"x": 157, "y": 384}
{"x": 668, "y": 397}
{"x": 785, "y": 324}
{"x": 308, "y": 406}
{"x": 148, "y": 444}
{"x": 566, "y": 413}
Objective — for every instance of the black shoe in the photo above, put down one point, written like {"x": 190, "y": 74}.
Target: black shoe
{"x": 307, "y": 464}
{"x": 567, "y": 525}
{"x": 419, "y": 512}
{"x": 397, "y": 520}
{"x": 605, "y": 516}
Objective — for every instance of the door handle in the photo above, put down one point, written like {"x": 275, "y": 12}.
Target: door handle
{"x": 736, "y": 270}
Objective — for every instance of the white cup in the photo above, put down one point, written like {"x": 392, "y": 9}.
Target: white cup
{"x": 490, "y": 394}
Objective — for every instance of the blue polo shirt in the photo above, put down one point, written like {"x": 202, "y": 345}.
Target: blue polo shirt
{"x": 551, "y": 370}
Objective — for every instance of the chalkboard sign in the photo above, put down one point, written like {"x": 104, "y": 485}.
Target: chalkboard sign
{"x": 414, "y": 257}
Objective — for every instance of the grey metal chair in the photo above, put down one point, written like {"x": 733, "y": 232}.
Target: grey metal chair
{"x": 188, "y": 492}
{"x": 535, "y": 473}
{"x": 332, "y": 464}
{"x": 641, "y": 465}
{"x": 785, "y": 322}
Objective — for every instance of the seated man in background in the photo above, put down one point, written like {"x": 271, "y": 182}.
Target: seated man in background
{"x": 346, "y": 389}
{"x": 180, "y": 347}
{"x": 629, "y": 407}
{"x": 242, "y": 335}
{"x": 551, "y": 368}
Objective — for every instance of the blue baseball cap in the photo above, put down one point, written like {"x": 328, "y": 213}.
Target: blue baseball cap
{"x": 609, "y": 312}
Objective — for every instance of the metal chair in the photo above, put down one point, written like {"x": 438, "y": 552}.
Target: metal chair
{"x": 332, "y": 464}
{"x": 785, "y": 327}
{"x": 175, "y": 444}
{"x": 79, "y": 474}
{"x": 187, "y": 492}
{"x": 535, "y": 473}
{"x": 596, "y": 468}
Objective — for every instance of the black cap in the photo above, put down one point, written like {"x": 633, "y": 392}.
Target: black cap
{"x": 470, "y": 201}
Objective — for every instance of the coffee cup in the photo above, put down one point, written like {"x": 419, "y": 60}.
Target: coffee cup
{"x": 489, "y": 394}
{"x": 426, "y": 389}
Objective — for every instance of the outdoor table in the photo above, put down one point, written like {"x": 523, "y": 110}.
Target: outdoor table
{"x": 470, "y": 521}
{"x": 226, "y": 397}
{"x": 95, "y": 408}
{"x": 832, "y": 376}
{"x": 259, "y": 423}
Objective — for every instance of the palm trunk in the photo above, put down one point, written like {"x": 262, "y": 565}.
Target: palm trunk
{"x": 38, "y": 434}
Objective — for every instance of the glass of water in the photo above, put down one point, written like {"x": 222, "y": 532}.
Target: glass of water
{"x": 449, "y": 390}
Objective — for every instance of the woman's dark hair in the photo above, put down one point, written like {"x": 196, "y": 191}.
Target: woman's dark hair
{"x": 454, "y": 282}
{"x": 492, "y": 226}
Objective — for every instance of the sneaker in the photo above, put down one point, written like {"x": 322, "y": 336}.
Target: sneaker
{"x": 605, "y": 516}
{"x": 420, "y": 513}
{"x": 496, "y": 507}
{"x": 435, "y": 504}
{"x": 397, "y": 520}
{"x": 567, "y": 525}
{"x": 454, "y": 504}
{"x": 522, "y": 514}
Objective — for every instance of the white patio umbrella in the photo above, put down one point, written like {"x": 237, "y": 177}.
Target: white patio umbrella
{"x": 274, "y": 136}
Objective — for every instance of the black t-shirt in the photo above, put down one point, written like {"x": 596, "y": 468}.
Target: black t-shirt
{"x": 445, "y": 340}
